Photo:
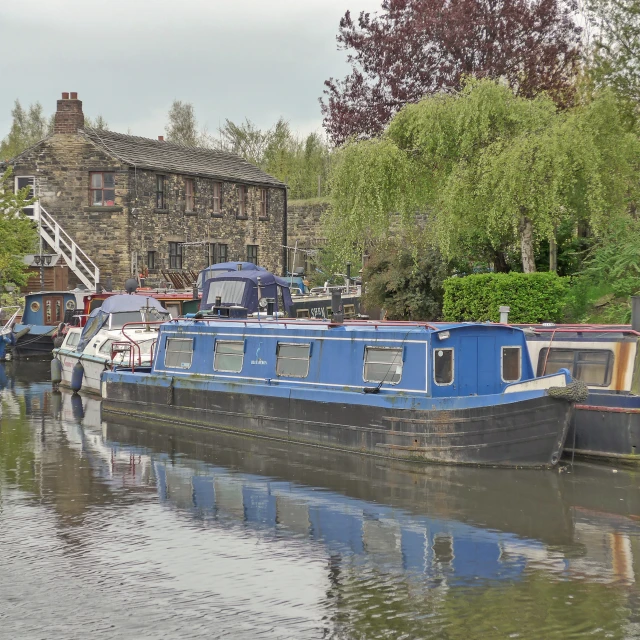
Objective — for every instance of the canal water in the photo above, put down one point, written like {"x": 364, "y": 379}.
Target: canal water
{"x": 117, "y": 529}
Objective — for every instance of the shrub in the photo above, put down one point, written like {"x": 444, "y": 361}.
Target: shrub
{"x": 532, "y": 297}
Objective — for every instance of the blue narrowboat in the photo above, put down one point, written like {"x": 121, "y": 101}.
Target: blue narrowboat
{"x": 43, "y": 314}
{"x": 451, "y": 393}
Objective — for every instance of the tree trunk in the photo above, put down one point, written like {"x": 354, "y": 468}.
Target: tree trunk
{"x": 526, "y": 244}
{"x": 553, "y": 255}
{"x": 500, "y": 262}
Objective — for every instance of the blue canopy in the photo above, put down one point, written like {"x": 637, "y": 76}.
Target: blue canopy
{"x": 214, "y": 269}
{"x": 241, "y": 288}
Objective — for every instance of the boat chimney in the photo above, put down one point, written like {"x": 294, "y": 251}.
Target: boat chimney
{"x": 504, "y": 315}
{"x": 239, "y": 266}
{"x": 635, "y": 313}
{"x": 271, "y": 303}
{"x": 348, "y": 276}
{"x": 194, "y": 290}
{"x": 337, "y": 316}
{"x": 218, "y": 301}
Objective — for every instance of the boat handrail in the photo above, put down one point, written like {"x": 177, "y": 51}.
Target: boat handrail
{"x": 9, "y": 322}
{"x": 581, "y": 329}
{"x": 135, "y": 344}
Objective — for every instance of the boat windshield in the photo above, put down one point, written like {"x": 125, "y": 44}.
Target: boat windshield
{"x": 230, "y": 291}
{"x": 118, "y": 320}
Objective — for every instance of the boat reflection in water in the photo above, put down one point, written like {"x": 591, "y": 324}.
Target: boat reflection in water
{"x": 448, "y": 524}
{"x": 285, "y": 536}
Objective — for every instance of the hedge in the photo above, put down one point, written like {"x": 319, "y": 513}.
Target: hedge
{"x": 532, "y": 297}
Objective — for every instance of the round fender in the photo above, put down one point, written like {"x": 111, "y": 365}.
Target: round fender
{"x": 76, "y": 377}
{"x": 56, "y": 371}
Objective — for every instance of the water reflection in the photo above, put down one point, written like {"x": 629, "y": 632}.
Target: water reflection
{"x": 266, "y": 539}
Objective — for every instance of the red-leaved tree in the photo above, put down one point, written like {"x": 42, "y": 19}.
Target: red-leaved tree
{"x": 418, "y": 47}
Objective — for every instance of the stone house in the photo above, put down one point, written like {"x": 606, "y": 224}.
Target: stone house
{"x": 123, "y": 204}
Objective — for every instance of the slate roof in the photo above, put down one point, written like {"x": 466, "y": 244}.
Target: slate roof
{"x": 145, "y": 153}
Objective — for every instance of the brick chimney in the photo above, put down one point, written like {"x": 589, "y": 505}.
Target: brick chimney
{"x": 69, "y": 117}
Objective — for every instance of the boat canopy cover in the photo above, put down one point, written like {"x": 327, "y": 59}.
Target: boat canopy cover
{"x": 213, "y": 270}
{"x": 241, "y": 288}
{"x": 117, "y": 304}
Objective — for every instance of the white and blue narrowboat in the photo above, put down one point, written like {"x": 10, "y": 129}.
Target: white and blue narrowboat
{"x": 607, "y": 359}
{"x": 451, "y": 393}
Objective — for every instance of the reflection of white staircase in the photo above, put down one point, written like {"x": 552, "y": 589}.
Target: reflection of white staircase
{"x": 62, "y": 243}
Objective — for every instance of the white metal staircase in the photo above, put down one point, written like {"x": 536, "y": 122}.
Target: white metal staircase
{"x": 63, "y": 245}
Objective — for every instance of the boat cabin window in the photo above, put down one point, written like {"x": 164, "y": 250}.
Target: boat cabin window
{"x": 593, "y": 366}
{"x": 228, "y": 355}
{"x": 230, "y": 291}
{"x": 106, "y": 347}
{"x": 511, "y": 364}
{"x": 178, "y": 353}
{"x": 443, "y": 366}
{"x": 382, "y": 364}
{"x": 118, "y": 320}
{"x": 293, "y": 360}
{"x": 72, "y": 339}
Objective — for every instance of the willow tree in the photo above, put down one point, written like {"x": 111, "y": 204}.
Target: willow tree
{"x": 491, "y": 171}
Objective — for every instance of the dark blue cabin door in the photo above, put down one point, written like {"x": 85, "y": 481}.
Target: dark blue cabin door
{"x": 468, "y": 367}
{"x": 476, "y": 366}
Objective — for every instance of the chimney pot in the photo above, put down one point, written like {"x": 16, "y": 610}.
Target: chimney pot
{"x": 161, "y": 138}
{"x": 65, "y": 95}
{"x": 74, "y": 95}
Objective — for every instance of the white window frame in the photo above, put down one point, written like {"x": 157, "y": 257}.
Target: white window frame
{"x": 510, "y": 346}
{"x": 166, "y": 351}
{"x": 293, "y": 344}
{"x": 215, "y": 350}
{"x": 381, "y": 348}
{"x": 453, "y": 366}
{"x": 31, "y": 207}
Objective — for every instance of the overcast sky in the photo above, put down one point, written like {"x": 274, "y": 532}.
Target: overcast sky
{"x": 129, "y": 59}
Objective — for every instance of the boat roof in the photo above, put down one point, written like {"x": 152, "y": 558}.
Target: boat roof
{"x": 126, "y": 302}
{"x": 233, "y": 266}
{"x": 266, "y": 277}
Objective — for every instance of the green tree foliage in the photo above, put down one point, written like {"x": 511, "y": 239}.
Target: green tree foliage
{"x": 490, "y": 170}
{"x": 182, "y": 127}
{"x": 28, "y": 126}
{"x": 301, "y": 162}
{"x": 407, "y": 284}
{"x": 96, "y": 123}
{"x": 17, "y": 233}
{"x": 615, "y": 52}
{"x": 532, "y": 297}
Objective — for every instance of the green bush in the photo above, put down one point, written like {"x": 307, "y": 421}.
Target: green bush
{"x": 532, "y": 297}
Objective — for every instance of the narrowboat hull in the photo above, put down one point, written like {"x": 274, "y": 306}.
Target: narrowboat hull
{"x": 606, "y": 429}
{"x": 519, "y": 430}
{"x": 36, "y": 343}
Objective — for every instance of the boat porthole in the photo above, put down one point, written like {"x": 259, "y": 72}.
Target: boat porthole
{"x": 439, "y": 354}
{"x": 70, "y": 305}
{"x": 35, "y": 306}
{"x": 554, "y": 458}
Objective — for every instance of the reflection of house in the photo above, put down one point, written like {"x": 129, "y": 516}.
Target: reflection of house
{"x": 113, "y": 204}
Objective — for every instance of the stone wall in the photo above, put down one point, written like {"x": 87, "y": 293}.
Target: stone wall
{"x": 61, "y": 166}
{"x": 304, "y": 226}
{"x": 152, "y": 229}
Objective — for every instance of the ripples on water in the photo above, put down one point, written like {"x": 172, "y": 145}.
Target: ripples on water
{"x": 121, "y": 529}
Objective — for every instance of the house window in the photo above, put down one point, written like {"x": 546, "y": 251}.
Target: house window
{"x": 178, "y": 353}
{"x": 188, "y": 195}
{"x": 175, "y": 255}
{"x": 443, "y": 366}
{"x": 223, "y": 253}
{"x": 511, "y": 366}
{"x": 151, "y": 259}
{"x": 228, "y": 356}
{"x": 292, "y": 360}
{"x": 243, "y": 197}
{"x": 592, "y": 366}
{"x": 382, "y": 364}
{"x": 216, "y": 253}
{"x": 252, "y": 253}
{"x": 264, "y": 211}
{"x": 217, "y": 197}
{"x": 103, "y": 189}
{"x": 21, "y": 183}
{"x": 160, "y": 201}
